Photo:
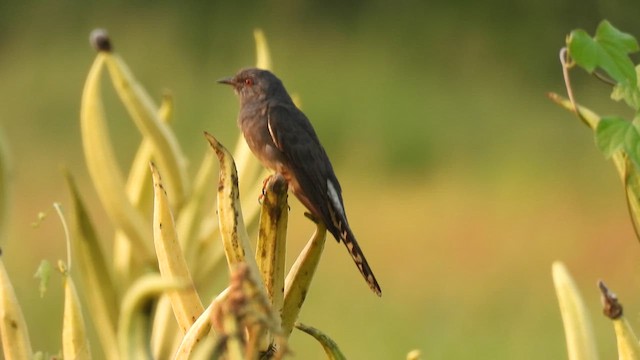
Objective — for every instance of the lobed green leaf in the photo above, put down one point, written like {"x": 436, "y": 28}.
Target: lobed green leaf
{"x": 613, "y": 134}
{"x": 608, "y": 50}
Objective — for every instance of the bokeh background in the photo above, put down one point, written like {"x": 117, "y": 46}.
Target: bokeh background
{"x": 462, "y": 181}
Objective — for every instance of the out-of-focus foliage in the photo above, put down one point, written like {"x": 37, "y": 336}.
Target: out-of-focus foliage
{"x": 449, "y": 93}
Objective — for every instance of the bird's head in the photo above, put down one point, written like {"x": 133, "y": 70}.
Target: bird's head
{"x": 255, "y": 85}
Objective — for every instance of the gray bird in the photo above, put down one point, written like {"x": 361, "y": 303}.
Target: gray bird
{"x": 283, "y": 139}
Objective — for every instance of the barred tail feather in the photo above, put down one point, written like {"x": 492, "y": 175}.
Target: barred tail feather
{"x": 342, "y": 231}
{"x": 349, "y": 240}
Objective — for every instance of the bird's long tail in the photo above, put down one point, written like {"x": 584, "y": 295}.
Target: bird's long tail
{"x": 349, "y": 240}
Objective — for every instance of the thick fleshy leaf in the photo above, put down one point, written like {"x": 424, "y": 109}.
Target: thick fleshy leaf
{"x": 103, "y": 166}
{"x": 271, "y": 245}
{"x": 581, "y": 343}
{"x": 186, "y": 303}
{"x": 4, "y": 187}
{"x": 133, "y": 321}
{"x": 13, "y": 328}
{"x": 234, "y": 234}
{"x": 144, "y": 113}
{"x": 95, "y": 275}
{"x": 631, "y": 180}
{"x": 263, "y": 55}
{"x": 75, "y": 341}
{"x": 299, "y": 278}
{"x": 628, "y": 347}
{"x": 330, "y": 347}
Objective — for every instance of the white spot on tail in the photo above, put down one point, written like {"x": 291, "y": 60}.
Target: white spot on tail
{"x": 334, "y": 197}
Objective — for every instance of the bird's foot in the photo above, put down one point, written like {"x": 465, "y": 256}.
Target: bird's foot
{"x": 311, "y": 217}
{"x": 263, "y": 193}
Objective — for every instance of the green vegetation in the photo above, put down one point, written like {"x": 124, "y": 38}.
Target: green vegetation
{"x": 463, "y": 182}
{"x": 619, "y": 139}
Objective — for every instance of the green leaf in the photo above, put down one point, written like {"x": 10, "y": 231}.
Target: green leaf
{"x": 612, "y": 133}
{"x": 629, "y": 93}
{"x": 330, "y": 346}
{"x": 43, "y": 274}
{"x": 608, "y": 50}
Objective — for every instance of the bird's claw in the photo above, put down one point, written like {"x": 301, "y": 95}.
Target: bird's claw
{"x": 263, "y": 193}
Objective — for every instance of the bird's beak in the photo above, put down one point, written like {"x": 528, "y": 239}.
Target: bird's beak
{"x": 227, "y": 80}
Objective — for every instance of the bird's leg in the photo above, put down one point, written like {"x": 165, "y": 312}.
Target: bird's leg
{"x": 311, "y": 217}
{"x": 263, "y": 193}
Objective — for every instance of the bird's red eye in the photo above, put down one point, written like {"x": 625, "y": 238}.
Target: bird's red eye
{"x": 248, "y": 81}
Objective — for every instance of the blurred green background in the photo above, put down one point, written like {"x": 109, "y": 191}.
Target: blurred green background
{"x": 462, "y": 181}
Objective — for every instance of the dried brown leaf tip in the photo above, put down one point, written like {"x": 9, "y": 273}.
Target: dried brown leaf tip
{"x": 246, "y": 300}
{"x": 610, "y": 305}
{"x": 244, "y": 316}
{"x": 100, "y": 41}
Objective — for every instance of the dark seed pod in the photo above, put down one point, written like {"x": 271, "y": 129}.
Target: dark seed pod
{"x": 100, "y": 41}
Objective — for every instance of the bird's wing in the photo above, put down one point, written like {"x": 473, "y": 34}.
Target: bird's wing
{"x": 320, "y": 191}
{"x": 293, "y": 135}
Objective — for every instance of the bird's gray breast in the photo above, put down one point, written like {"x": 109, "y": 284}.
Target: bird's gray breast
{"x": 253, "y": 121}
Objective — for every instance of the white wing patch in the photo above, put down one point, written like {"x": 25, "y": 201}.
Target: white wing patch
{"x": 273, "y": 135}
{"x": 334, "y": 197}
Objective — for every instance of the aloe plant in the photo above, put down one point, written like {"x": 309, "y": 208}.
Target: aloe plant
{"x": 149, "y": 299}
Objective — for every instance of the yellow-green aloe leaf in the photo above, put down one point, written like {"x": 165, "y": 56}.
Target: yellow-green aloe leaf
{"x": 263, "y": 54}
{"x": 143, "y": 111}
{"x": 103, "y": 169}
{"x": 628, "y": 346}
{"x": 234, "y": 233}
{"x": 192, "y": 214}
{"x": 232, "y": 230}
{"x": 95, "y": 276}
{"x": 165, "y": 335}
{"x": 211, "y": 262}
{"x": 206, "y": 349}
{"x": 330, "y": 346}
{"x": 139, "y": 181}
{"x": 124, "y": 263}
{"x": 195, "y": 334}
{"x": 252, "y": 196}
{"x": 271, "y": 245}
{"x": 186, "y": 304}
{"x": 4, "y": 187}
{"x": 581, "y": 344}
{"x": 631, "y": 179}
{"x": 212, "y": 343}
{"x": 299, "y": 278}
{"x": 13, "y": 329}
{"x": 133, "y": 332}
{"x": 138, "y": 188}
{"x": 75, "y": 341}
